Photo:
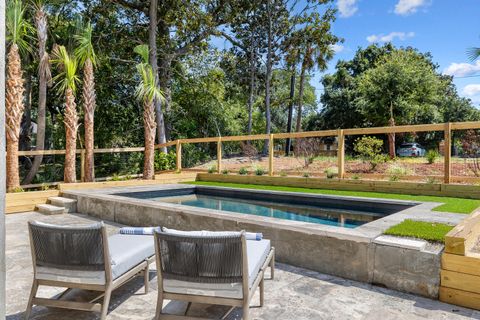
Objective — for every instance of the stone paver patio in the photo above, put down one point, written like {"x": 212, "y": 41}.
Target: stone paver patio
{"x": 295, "y": 293}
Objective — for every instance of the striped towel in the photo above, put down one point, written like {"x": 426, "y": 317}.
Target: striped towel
{"x": 253, "y": 236}
{"x": 139, "y": 230}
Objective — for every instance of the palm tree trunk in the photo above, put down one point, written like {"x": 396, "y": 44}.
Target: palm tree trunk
{"x": 149, "y": 129}
{"x": 300, "y": 98}
{"x": 43, "y": 78}
{"x": 70, "y": 121}
{"x": 13, "y": 115}
{"x": 89, "y": 104}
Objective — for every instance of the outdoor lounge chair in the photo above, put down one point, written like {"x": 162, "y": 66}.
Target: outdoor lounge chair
{"x": 210, "y": 267}
{"x": 85, "y": 258}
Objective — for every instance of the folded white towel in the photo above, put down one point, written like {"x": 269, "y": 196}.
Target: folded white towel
{"x": 139, "y": 230}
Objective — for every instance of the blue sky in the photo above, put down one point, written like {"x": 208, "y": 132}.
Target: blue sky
{"x": 446, "y": 28}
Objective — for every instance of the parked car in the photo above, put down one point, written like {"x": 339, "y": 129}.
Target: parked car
{"x": 411, "y": 150}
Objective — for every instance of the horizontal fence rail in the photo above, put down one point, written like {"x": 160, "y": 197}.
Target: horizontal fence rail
{"x": 340, "y": 134}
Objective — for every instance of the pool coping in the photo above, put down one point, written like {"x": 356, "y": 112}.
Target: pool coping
{"x": 421, "y": 211}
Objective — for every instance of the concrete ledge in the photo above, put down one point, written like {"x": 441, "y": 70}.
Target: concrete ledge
{"x": 405, "y": 243}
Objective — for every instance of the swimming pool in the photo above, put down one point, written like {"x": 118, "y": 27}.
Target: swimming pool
{"x": 333, "y": 211}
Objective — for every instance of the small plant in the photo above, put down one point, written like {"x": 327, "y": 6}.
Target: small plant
{"x": 17, "y": 190}
{"x": 369, "y": 149}
{"x": 243, "y": 171}
{"x": 165, "y": 161}
{"x": 331, "y": 173}
{"x": 116, "y": 177}
{"x": 283, "y": 174}
{"x": 431, "y": 180}
{"x": 128, "y": 177}
{"x": 225, "y": 171}
{"x": 306, "y": 174}
{"x": 259, "y": 171}
{"x": 432, "y": 156}
{"x": 397, "y": 172}
{"x": 212, "y": 169}
{"x": 355, "y": 177}
{"x": 44, "y": 187}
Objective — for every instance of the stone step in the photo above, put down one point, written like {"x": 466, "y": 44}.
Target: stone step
{"x": 50, "y": 209}
{"x": 70, "y": 205}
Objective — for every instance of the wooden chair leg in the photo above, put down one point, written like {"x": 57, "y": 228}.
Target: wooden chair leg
{"x": 272, "y": 267}
{"x": 246, "y": 310}
{"x": 262, "y": 288}
{"x": 159, "y": 309}
{"x": 106, "y": 303}
{"x": 146, "y": 282}
{"x": 33, "y": 293}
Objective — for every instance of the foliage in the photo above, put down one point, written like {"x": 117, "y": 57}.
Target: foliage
{"x": 67, "y": 65}
{"x": 449, "y": 204}
{"x": 306, "y": 175}
{"x": 225, "y": 171}
{"x": 16, "y": 190}
{"x": 369, "y": 149}
{"x": 432, "y": 156}
{"x": 470, "y": 146}
{"x": 243, "y": 171}
{"x": 212, "y": 169}
{"x": 259, "y": 171}
{"x": 435, "y": 232}
{"x": 84, "y": 50}
{"x": 308, "y": 149}
{"x": 331, "y": 173}
{"x": 147, "y": 89}
{"x": 18, "y": 28}
{"x": 165, "y": 161}
{"x": 396, "y": 172}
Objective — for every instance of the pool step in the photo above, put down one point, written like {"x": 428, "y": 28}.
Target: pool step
{"x": 50, "y": 209}
{"x": 70, "y": 205}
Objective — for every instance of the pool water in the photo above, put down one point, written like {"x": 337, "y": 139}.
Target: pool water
{"x": 303, "y": 213}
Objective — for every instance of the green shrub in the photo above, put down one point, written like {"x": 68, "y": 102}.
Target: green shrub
{"x": 306, "y": 174}
{"x": 259, "y": 171}
{"x": 369, "y": 149}
{"x": 44, "y": 187}
{"x": 355, "y": 177}
{"x": 165, "y": 161}
{"x": 243, "y": 171}
{"x": 396, "y": 172}
{"x": 225, "y": 171}
{"x": 431, "y": 180}
{"x": 283, "y": 174}
{"x": 17, "y": 190}
{"x": 212, "y": 169}
{"x": 331, "y": 173}
{"x": 432, "y": 156}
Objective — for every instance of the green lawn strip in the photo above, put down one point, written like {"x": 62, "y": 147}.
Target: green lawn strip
{"x": 421, "y": 230}
{"x": 454, "y": 205}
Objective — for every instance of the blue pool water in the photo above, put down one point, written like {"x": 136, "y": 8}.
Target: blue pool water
{"x": 303, "y": 213}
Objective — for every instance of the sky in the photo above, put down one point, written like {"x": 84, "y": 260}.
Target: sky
{"x": 445, "y": 28}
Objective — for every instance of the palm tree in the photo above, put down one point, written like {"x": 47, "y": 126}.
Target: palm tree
{"x": 147, "y": 91}
{"x": 67, "y": 80}
{"x": 17, "y": 32}
{"x": 87, "y": 59}
{"x": 473, "y": 53}
{"x": 44, "y": 77}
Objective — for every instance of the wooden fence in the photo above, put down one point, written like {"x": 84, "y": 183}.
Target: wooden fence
{"x": 341, "y": 134}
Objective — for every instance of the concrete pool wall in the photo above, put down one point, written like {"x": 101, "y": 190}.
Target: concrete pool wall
{"x": 356, "y": 254}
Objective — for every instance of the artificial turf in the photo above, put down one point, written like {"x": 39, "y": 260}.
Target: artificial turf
{"x": 449, "y": 204}
{"x": 418, "y": 229}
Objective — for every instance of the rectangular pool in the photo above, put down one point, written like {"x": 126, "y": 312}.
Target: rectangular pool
{"x": 320, "y": 209}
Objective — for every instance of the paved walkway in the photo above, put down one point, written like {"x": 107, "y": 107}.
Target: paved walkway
{"x": 294, "y": 294}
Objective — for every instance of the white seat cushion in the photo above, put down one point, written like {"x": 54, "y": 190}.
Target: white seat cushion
{"x": 75, "y": 276}
{"x": 127, "y": 251}
{"x": 257, "y": 252}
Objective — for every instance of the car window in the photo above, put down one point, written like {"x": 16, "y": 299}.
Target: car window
{"x": 406, "y": 145}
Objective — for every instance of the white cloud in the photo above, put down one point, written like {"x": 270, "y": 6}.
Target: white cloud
{"x": 471, "y": 90}
{"x": 462, "y": 69}
{"x": 406, "y": 7}
{"x": 390, "y": 37}
{"x": 347, "y": 8}
{"x": 337, "y": 48}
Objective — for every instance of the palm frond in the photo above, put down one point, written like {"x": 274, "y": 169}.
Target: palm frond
{"x": 147, "y": 90}
{"x": 84, "y": 50}
{"x": 142, "y": 50}
{"x": 473, "y": 53}
{"x": 67, "y": 66}
{"x": 19, "y": 31}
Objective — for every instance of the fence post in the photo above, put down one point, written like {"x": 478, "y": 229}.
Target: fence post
{"x": 179, "y": 155}
{"x": 270, "y": 155}
{"x": 219, "y": 155}
{"x": 448, "y": 151}
{"x": 341, "y": 154}
{"x": 82, "y": 165}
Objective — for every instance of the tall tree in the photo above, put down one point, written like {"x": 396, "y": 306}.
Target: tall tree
{"x": 147, "y": 92}
{"x": 44, "y": 77}
{"x": 85, "y": 54}
{"x": 66, "y": 83}
{"x": 17, "y": 32}
{"x": 315, "y": 48}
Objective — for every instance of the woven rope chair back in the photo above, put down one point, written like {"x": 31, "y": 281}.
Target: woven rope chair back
{"x": 201, "y": 259}
{"x": 72, "y": 248}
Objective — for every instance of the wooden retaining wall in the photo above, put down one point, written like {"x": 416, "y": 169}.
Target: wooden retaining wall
{"x": 460, "y": 274}
{"x": 416, "y": 188}
{"x": 26, "y": 201}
